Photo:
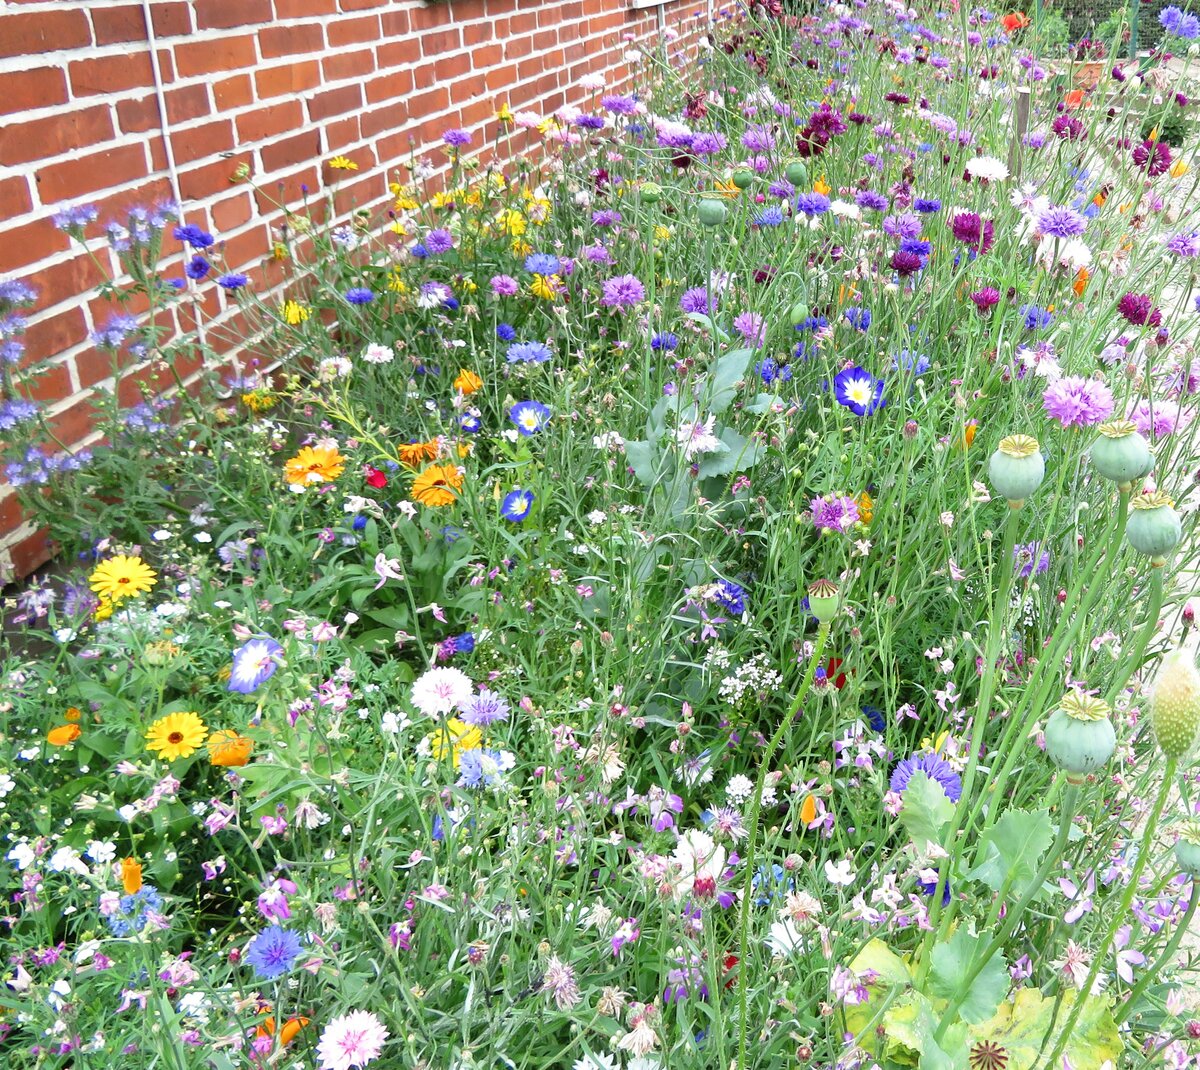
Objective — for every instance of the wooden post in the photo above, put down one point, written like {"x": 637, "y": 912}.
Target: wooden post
{"x": 1016, "y": 151}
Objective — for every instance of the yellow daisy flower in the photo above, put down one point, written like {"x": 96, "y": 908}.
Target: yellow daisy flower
{"x": 543, "y": 286}
{"x": 177, "y": 735}
{"x": 436, "y": 485}
{"x": 455, "y": 738}
{"x": 314, "y": 464}
{"x": 121, "y": 577}
{"x": 342, "y": 163}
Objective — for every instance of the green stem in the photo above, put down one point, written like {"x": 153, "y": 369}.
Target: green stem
{"x": 1154, "y": 973}
{"x": 752, "y": 844}
{"x": 1120, "y": 915}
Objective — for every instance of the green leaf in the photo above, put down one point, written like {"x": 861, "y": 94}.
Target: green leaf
{"x": 727, "y": 373}
{"x": 1010, "y": 850}
{"x": 641, "y": 457}
{"x": 953, "y": 961}
{"x": 925, "y": 811}
{"x": 881, "y": 960}
{"x": 1024, "y": 1026}
{"x": 737, "y": 455}
{"x": 762, "y": 402}
{"x": 704, "y": 321}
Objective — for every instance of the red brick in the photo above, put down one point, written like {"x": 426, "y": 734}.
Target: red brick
{"x": 26, "y": 90}
{"x": 250, "y": 245}
{"x": 353, "y": 31}
{"x": 224, "y": 14}
{"x": 345, "y": 132}
{"x": 395, "y": 24}
{"x": 14, "y": 197}
{"x": 199, "y": 182}
{"x": 60, "y": 282}
{"x": 335, "y": 102}
{"x": 299, "y": 9}
{"x": 276, "y": 41}
{"x": 270, "y": 120}
{"x": 202, "y": 141}
{"x": 11, "y": 516}
{"x": 232, "y": 93}
{"x": 488, "y": 56}
{"x": 31, "y": 552}
{"x": 290, "y": 78}
{"x": 29, "y": 243}
{"x": 454, "y": 67}
{"x": 375, "y": 121}
{"x": 80, "y": 175}
{"x": 28, "y": 34}
{"x": 213, "y": 57}
{"x": 439, "y": 42}
{"x": 358, "y": 65}
{"x": 359, "y": 5}
{"x": 388, "y": 86}
{"x": 286, "y": 190}
{"x": 53, "y": 136}
{"x": 118, "y": 24}
{"x": 231, "y": 213}
{"x": 302, "y": 148}
{"x": 112, "y": 74}
{"x": 49, "y": 383}
{"x": 135, "y": 115}
{"x": 54, "y": 334}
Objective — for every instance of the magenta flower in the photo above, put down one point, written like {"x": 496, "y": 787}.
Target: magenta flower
{"x": 624, "y": 291}
{"x": 1078, "y": 402}
{"x": 505, "y": 286}
{"x": 1139, "y": 310}
{"x": 834, "y": 512}
{"x": 1153, "y": 156}
{"x": 752, "y": 327}
{"x": 986, "y": 299}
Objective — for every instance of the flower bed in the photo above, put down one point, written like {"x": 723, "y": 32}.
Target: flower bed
{"x": 695, "y": 603}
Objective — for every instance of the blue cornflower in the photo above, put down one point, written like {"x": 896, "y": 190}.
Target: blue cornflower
{"x": 528, "y": 353}
{"x": 359, "y": 522}
{"x": 918, "y": 246}
{"x": 917, "y": 363}
{"x": 542, "y": 264}
{"x": 482, "y": 767}
{"x": 770, "y": 883}
{"x": 529, "y": 417}
{"x": 930, "y": 887}
{"x": 770, "y": 371}
{"x": 359, "y": 295}
{"x": 133, "y": 910}
{"x": 516, "y": 505}
{"x": 418, "y": 251}
{"x": 731, "y": 597}
{"x": 273, "y": 952}
{"x": 813, "y": 323}
{"x": 439, "y": 241}
{"x": 859, "y": 391}
{"x": 464, "y": 644}
{"x": 858, "y": 318}
{"x": 769, "y": 217}
{"x": 233, "y": 281}
{"x": 933, "y": 766}
{"x": 812, "y": 204}
{"x": 667, "y": 340}
{"x": 197, "y": 267}
{"x": 1035, "y": 318}
{"x": 927, "y": 205}
{"x": 195, "y": 237}
{"x": 506, "y": 332}
{"x": 875, "y": 718}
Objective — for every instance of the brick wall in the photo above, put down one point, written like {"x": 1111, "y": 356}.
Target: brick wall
{"x": 280, "y": 85}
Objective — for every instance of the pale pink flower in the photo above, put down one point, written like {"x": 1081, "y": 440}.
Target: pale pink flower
{"x": 351, "y": 1040}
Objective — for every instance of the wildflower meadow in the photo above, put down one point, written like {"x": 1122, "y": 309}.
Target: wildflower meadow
{"x": 711, "y": 593}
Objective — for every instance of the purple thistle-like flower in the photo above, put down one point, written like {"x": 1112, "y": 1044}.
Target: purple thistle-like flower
{"x": 505, "y": 286}
{"x": 439, "y": 241}
{"x": 1154, "y": 156}
{"x": 484, "y": 709}
{"x": 752, "y": 327}
{"x": 708, "y": 144}
{"x": 1078, "y": 402}
{"x": 456, "y": 139}
{"x": 623, "y": 291}
{"x": 834, "y": 512}
{"x": 1029, "y": 558}
{"x": 1060, "y": 222}
{"x": 933, "y": 766}
{"x": 974, "y": 232}
{"x": 1139, "y": 310}
{"x": 696, "y": 300}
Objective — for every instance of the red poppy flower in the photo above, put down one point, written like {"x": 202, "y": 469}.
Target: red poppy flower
{"x": 376, "y": 478}
{"x": 838, "y": 679}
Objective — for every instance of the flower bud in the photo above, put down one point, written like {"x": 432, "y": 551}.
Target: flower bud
{"x": 1121, "y": 453}
{"x": 1154, "y": 528}
{"x": 650, "y": 192}
{"x": 712, "y": 213}
{"x": 796, "y": 172}
{"x": 1175, "y": 704}
{"x": 742, "y": 178}
{"x": 1080, "y": 737}
{"x": 1187, "y": 847}
{"x": 1017, "y": 468}
{"x": 823, "y": 600}
{"x": 799, "y": 313}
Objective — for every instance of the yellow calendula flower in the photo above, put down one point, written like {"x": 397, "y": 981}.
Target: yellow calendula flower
{"x": 454, "y": 738}
{"x": 259, "y": 400}
{"x": 342, "y": 163}
{"x": 512, "y": 222}
{"x": 436, "y": 486}
{"x": 935, "y": 745}
{"x": 474, "y": 199}
{"x": 314, "y": 464}
{"x": 521, "y": 248}
{"x": 866, "y": 507}
{"x": 821, "y": 186}
{"x": 178, "y": 735}
{"x": 545, "y": 287}
{"x": 662, "y": 233}
{"x": 1179, "y": 169}
{"x": 467, "y": 382}
{"x": 294, "y": 313}
{"x": 505, "y": 114}
{"x": 121, "y": 577}
{"x": 413, "y": 453}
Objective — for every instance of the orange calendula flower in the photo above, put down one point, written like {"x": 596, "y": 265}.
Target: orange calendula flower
{"x": 63, "y": 735}
{"x": 413, "y": 453}
{"x": 822, "y": 187}
{"x": 131, "y": 876}
{"x": 1081, "y": 281}
{"x": 467, "y": 382}
{"x": 314, "y": 464}
{"x": 227, "y": 748}
{"x": 1073, "y": 99}
{"x": 74, "y": 713}
{"x": 436, "y": 486}
{"x": 287, "y": 1034}
{"x": 969, "y": 432}
{"x": 1179, "y": 169}
{"x": 866, "y": 507}
{"x": 808, "y": 810}
{"x": 1015, "y": 20}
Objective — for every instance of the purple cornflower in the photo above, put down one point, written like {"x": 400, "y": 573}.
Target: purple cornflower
{"x": 606, "y": 217}
{"x": 905, "y": 263}
{"x": 752, "y": 327}
{"x": 1186, "y": 245}
{"x": 439, "y": 241}
{"x": 933, "y": 766}
{"x": 904, "y": 225}
{"x": 1139, "y": 310}
{"x": 623, "y": 291}
{"x": 708, "y": 144}
{"x": 1078, "y": 402}
{"x": 1068, "y": 128}
{"x": 456, "y": 139}
{"x": 696, "y": 300}
{"x": 505, "y": 286}
{"x": 975, "y": 233}
{"x": 872, "y": 201}
{"x": 758, "y": 139}
{"x": 1154, "y": 156}
{"x": 1060, "y": 222}
{"x": 484, "y": 709}
{"x": 834, "y": 512}
{"x": 1029, "y": 558}
{"x": 619, "y": 105}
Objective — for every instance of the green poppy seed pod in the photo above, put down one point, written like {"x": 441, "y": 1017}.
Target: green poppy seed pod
{"x": 650, "y": 192}
{"x": 712, "y": 213}
{"x": 1153, "y": 528}
{"x": 796, "y": 171}
{"x": 823, "y": 600}
{"x": 1175, "y": 704}
{"x": 1121, "y": 454}
{"x": 1080, "y": 737}
{"x": 1017, "y": 468}
{"x": 1187, "y": 847}
{"x": 743, "y": 178}
{"x": 799, "y": 313}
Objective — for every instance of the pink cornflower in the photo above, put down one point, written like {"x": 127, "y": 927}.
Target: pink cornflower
{"x": 351, "y": 1040}
{"x": 834, "y": 512}
{"x": 559, "y": 984}
{"x": 1078, "y": 402}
